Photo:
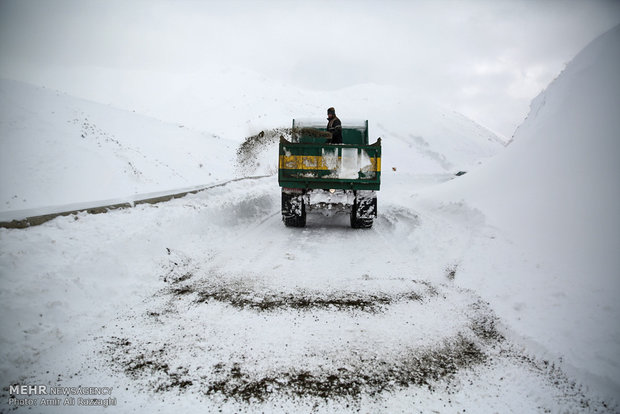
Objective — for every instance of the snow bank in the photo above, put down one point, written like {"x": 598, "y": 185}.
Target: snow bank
{"x": 555, "y": 193}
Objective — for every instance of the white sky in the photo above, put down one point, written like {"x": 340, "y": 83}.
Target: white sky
{"x": 486, "y": 59}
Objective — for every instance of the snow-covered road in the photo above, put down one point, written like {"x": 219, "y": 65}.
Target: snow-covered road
{"x": 210, "y": 303}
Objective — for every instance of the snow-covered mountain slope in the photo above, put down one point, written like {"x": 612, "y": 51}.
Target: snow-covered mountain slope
{"x": 555, "y": 193}
{"x": 419, "y": 137}
{"x": 56, "y": 149}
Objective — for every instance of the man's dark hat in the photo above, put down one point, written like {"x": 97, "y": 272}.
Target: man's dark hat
{"x": 331, "y": 111}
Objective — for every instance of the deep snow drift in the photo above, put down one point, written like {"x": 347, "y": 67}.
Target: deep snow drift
{"x": 555, "y": 194}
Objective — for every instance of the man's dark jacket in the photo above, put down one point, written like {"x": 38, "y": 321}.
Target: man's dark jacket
{"x": 335, "y": 128}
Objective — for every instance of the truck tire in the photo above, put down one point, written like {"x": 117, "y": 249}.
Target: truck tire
{"x": 357, "y": 222}
{"x": 296, "y": 221}
{"x": 293, "y": 210}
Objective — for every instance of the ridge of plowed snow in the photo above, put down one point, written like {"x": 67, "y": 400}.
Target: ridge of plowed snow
{"x": 555, "y": 193}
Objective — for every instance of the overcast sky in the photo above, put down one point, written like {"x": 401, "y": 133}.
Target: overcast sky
{"x": 487, "y": 59}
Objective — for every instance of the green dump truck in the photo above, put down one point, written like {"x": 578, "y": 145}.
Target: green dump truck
{"x": 335, "y": 178}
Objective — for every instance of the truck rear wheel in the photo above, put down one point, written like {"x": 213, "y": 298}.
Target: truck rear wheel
{"x": 358, "y": 222}
{"x": 293, "y": 210}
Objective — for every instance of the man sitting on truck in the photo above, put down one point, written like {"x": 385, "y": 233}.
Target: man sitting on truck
{"x": 334, "y": 126}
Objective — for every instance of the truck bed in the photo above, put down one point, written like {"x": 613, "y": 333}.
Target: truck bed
{"x": 329, "y": 166}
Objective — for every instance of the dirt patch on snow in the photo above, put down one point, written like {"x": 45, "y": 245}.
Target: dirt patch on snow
{"x": 233, "y": 340}
{"x": 298, "y": 300}
{"x": 151, "y": 365}
{"x": 369, "y": 376}
{"x": 180, "y": 274}
{"x": 194, "y": 358}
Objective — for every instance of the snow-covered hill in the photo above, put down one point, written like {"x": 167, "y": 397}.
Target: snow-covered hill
{"x": 555, "y": 193}
{"x": 56, "y": 149}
